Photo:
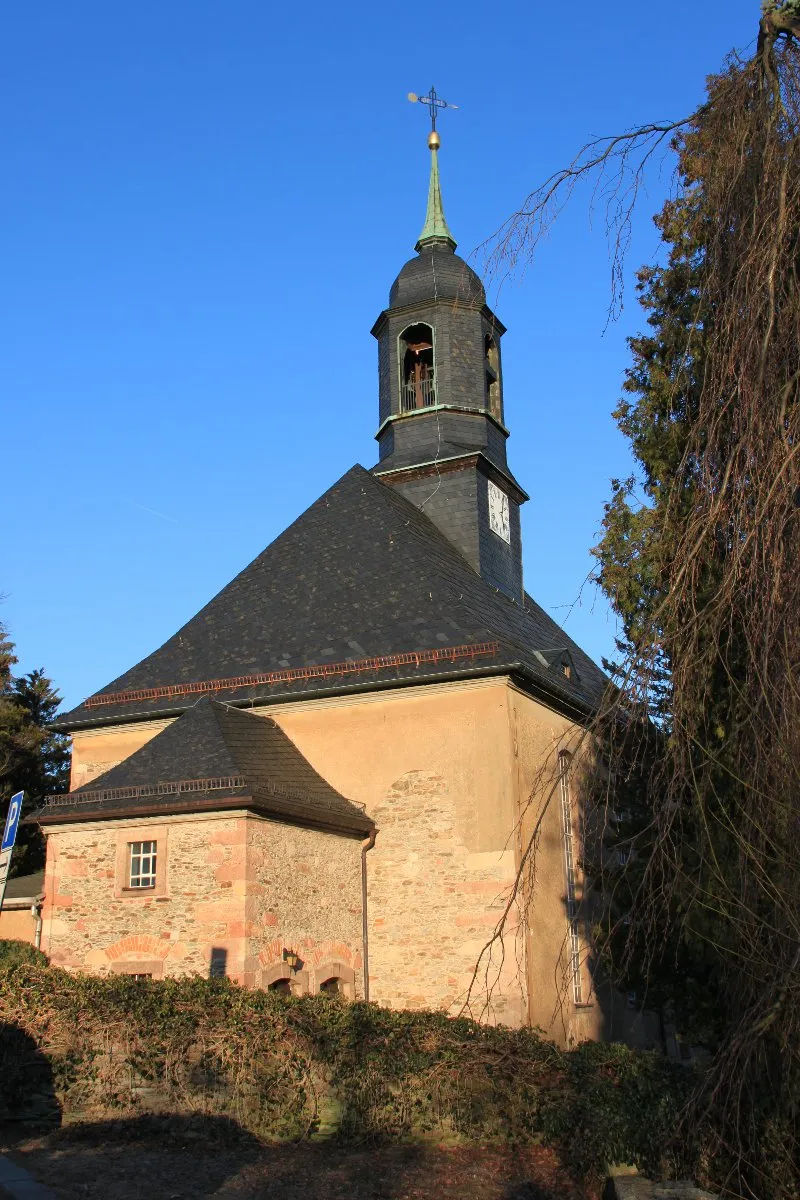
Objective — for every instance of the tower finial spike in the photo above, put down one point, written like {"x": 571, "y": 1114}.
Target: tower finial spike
{"x": 435, "y": 227}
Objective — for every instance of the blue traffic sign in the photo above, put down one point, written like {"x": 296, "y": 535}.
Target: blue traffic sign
{"x": 12, "y": 821}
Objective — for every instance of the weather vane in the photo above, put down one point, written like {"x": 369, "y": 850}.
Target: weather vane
{"x": 434, "y": 103}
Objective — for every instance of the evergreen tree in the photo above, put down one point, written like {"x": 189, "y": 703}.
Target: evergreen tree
{"x": 33, "y": 758}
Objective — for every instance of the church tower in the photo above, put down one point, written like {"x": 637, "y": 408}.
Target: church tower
{"x": 442, "y": 432}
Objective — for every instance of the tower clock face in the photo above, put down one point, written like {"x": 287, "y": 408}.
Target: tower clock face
{"x": 498, "y": 513}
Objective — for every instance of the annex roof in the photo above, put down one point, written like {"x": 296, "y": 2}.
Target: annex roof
{"x": 24, "y": 889}
{"x": 213, "y": 757}
{"x": 361, "y": 591}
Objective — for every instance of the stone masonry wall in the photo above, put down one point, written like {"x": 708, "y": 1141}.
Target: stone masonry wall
{"x": 445, "y": 771}
{"x": 303, "y": 895}
{"x": 87, "y": 927}
{"x": 434, "y": 901}
{"x": 236, "y": 889}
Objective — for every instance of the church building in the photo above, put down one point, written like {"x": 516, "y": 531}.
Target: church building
{"x": 331, "y": 778}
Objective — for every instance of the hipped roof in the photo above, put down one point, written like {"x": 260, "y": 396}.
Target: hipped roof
{"x": 362, "y": 573}
{"x": 214, "y": 757}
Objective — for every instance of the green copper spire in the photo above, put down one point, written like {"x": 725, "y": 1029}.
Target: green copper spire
{"x": 435, "y": 228}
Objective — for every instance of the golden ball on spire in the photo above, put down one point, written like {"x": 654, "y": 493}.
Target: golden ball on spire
{"x": 433, "y": 140}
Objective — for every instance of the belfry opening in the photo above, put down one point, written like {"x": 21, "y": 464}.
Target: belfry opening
{"x": 418, "y": 387}
{"x": 492, "y": 376}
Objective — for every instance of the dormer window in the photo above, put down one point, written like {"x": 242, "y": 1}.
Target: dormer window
{"x": 492, "y": 369}
{"x": 417, "y": 388}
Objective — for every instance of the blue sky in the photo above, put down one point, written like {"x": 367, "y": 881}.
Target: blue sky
{"x": 205, "y": 203}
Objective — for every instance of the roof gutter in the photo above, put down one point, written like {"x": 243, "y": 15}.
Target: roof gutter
{"x": 69, "y": 816}
{"x": 571, "y": 705}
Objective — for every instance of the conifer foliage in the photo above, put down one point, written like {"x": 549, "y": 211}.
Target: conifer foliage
{"x": 33, "y": 758}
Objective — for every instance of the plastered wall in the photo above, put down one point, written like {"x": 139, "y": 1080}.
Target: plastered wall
{"x": 538, "y": 736}
{"x": 17, "y": 924}
{"x": 97, "y": 750}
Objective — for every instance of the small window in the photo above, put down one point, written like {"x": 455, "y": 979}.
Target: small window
{"x": 335, "y": 978}
{"x": 283, "y": 987}
{"x": 142, "y": 864}
{"x": 332, "y": 987}
{"x": 138, "y": 968}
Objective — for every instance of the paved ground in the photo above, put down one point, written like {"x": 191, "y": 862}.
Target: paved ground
{"x": 20, "y": 1184}
{"x": 183, "y": 1158}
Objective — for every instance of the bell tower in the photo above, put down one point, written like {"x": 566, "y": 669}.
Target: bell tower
{"x": 442, "y": 433}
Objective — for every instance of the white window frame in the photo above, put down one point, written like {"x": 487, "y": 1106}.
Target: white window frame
{"x": 142, "y": 855}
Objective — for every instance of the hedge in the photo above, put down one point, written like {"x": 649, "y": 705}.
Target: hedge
{"x": 298, "y": 1068}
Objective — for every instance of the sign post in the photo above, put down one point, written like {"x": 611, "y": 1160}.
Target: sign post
{"x": 9, "y": 837}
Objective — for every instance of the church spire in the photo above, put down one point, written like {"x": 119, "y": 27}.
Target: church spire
{"x": 435, "y": 231}
{"x": 435, "y": 228}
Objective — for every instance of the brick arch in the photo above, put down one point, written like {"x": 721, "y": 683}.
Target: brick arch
{"x": 272, "y": 954}
{"x": 138, "y": 943}
{"x": 312, "y": 952}
{"x": 329, "y": 951}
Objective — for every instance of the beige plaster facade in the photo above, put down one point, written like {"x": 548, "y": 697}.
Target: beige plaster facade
{"x": 454, "y": 775}
{"x": 17, "y": 923}
{"x": 97, "y": 750}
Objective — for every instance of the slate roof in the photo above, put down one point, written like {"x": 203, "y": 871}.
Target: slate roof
{"x": 436, "y": 272}
{"x": 214, "y": 757}
{"x": 25, "y": 887}
{"x": 361, "y": 573}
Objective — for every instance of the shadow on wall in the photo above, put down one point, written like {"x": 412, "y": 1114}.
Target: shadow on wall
{"x": 218, "y": 963}
{"x": 27, "y": 1092}
{"x": 622, "y": 1015}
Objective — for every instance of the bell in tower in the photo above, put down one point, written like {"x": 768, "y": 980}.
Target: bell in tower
{"x": 442, "y": 434}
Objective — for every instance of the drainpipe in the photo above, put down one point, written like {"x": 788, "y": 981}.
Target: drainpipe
{"x": 366, "y": 845}
{"x": 36, "y": 911}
